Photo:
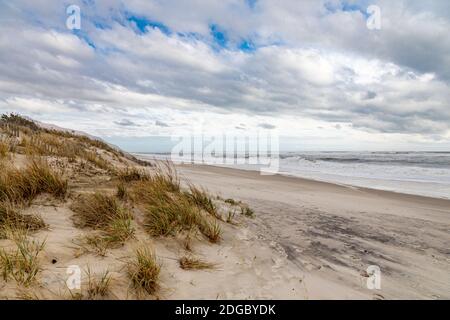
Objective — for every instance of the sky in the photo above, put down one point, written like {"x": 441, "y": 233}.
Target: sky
{"x": 309, "y": 70}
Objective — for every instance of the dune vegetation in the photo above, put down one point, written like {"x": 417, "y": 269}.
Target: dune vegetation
{"x": 115, "y": 203}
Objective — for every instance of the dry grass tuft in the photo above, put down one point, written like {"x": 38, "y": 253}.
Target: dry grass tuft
{"x": 202, "y": 200}
{"x": 98, "y": 287}
{"x": 244, "y": 208}
{"x": 169, "y": 214}
{"x": 19, "y": 186}
{"x": 97, "y": 211}
{"x": 168, "y": 210}
{"x": 132, "y": 174}
{"x": 115, "y": 236}
{"x": 211, "y": 229}
{"x": 4, "y": 149}
{"x": 104, "y": 213}
{"x": 247, "y": 211}
{"x": 192, "y": 263}
{"x": 144, "y": 271}
{"x": 232, "y": 202}
{"x": 122, "y": 192}
{"x": 22, "y": 265}
{"x": 166, "y": 177}
{"x": 97, "y": 160}
{"x": 11, "y": 218}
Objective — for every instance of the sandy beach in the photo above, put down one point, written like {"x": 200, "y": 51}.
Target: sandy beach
{"x": 329, "y": 234}
{"x": 135, "y": 229}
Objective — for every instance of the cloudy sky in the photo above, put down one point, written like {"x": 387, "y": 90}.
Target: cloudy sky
{"x": 312, "y": 70}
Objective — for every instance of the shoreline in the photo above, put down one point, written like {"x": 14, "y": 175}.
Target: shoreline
{"x": 282, "y": 176}
{"x": 293, "y": 176}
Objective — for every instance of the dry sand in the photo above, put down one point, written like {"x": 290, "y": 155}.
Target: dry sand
{"x": 329, "y": 234}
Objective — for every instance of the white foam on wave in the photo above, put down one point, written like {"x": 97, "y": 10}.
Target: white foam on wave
{"x": 426, "y": 174}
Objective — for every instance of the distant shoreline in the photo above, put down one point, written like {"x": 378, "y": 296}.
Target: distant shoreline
{"x": 147, "y": 157}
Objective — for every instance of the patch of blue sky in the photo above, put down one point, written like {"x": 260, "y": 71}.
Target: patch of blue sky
{"x": 101, "y": 24}
{"x": 219, "y": 36}
{"x": 251, "y": 3}
{"x": 85, "y": 37}
{"x": 347, "y": 6}
{"x": 142, "y": 23}
{"x": 247, "y": 46}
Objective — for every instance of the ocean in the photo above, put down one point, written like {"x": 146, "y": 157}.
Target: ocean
{"x": 419, "y": 173}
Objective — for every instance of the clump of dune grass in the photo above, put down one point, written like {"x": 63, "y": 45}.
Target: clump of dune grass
{"x": 4, "y": 149}
{"x": 202, "y": 199}
{"x": 144, "y": 270}
{"x": 231, "y": 201}
{"x": 119, "y": 230}
{"x": 166, "y": 177}
{"x": 97, "y": 160}
{"x": 244, "y": 208}
{"x": 192, "y": 263}
{"x": 98, "y": 287}
{"x": 104, "y": 213}
{"x": 211, "y": 229}
{"x": 169, "y": 214}
{"x": 23, "y": 185}
{"x": 97, "y": 211}
{"x": 247, "y": 211}
{"x": 168, "y": 210}
{"x": 132, "y": 174}
{"x": 42, "y": 179}
{"x": 10, "y": 217}
{"x": 114, "y": 236}
{"x": 22, "y": 264}
{"x": 121, "y": 192}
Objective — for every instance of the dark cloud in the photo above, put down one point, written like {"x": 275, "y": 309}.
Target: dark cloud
{"x": 267, "y": 126}
{"x": 370, "y": 95}
{"x": 126, "y": 123}
{"x": 161, "y": 124}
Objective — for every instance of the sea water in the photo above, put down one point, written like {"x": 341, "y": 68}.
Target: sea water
{"x": 419, "y": 173}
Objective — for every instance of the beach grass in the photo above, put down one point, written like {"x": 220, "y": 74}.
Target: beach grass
{"x": 21, "y": 264}
{"x": 192, "y": 263}
{"x": 202, "y": 199}
{"x": 211, "y": 229}
{"x": 98, "y": 287}
{"x": 144, "y": 270}
{"x": 97, "y": 211}
{"x": 23, "y": 185}
{"x": 105, "y": 214}
{"x": 10, "y": 217}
